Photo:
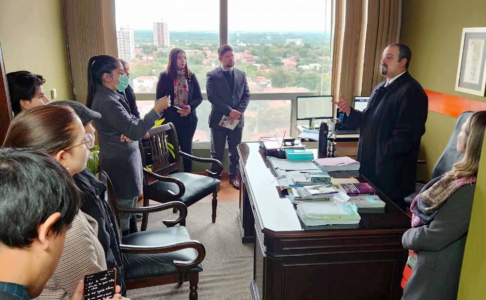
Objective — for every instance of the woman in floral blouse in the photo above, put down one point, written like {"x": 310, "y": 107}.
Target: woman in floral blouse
{"x": 180, "y": 83}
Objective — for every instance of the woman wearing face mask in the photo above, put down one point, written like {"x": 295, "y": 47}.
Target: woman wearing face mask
{"x": 182, "y": 86}
{"x": 57, "y": 131}
{"x": 440, "y": 220}
{"x": 119, "y": 131}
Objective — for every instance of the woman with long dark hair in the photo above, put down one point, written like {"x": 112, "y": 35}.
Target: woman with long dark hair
{"x": 119, "y": 131}
{"x": 58, "y": 131}
{"x": 440, "y": 220}
{"x": 180, "y": 83}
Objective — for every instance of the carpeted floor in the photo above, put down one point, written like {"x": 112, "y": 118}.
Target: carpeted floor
{"x": 228, "y": 266}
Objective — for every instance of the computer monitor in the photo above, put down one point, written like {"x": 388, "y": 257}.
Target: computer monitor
{"x": 360, "y": 103}
{"x": 314, "y": 107}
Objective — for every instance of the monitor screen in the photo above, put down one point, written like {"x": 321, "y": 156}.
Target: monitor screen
{"x": 360, "y": 103}
{"x": 314, "y": 107}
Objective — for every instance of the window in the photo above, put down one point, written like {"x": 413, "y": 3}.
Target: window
{"x": 284, "y": 48}
{"x": 148, "y": 29}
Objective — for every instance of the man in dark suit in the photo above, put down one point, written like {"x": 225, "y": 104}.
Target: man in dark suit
{"x": 391, "y": 126}
{"x": 129, "y": 93}
{"x": 229, "y": 95}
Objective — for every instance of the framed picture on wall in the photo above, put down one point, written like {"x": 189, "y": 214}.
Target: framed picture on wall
{"x": 471, "y": 71}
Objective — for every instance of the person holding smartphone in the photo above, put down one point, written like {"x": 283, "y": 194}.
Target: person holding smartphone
{"x": 57, "y": 131}
{"x": 119, "y": 131}
{"x": 181, "y": 85}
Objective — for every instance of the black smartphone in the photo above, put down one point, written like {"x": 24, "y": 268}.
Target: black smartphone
{"x": 100, "y": 285}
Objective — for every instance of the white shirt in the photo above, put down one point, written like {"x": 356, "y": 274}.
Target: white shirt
{"x": 388, "y": 82}
{"x": 224, "y": 69}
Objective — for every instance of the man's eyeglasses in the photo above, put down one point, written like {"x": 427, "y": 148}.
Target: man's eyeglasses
{"x": 88, "y": 141}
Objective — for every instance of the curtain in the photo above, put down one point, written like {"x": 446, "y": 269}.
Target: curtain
{"x": 5, "y": 108}
{"x": 363, "y": 28}
{"x": 90, "y": 30}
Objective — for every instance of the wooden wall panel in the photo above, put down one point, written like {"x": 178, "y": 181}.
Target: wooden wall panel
{"x": 5, "y": 108}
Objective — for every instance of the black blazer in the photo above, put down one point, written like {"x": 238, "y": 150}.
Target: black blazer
{"x": 220, "y": 96}
{"x": 390, "y": 131}
{"x": 132, "y": 101}
{"x": 165, "y": 87}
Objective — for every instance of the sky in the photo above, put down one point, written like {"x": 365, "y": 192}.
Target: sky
{"x": 243, "y": 15}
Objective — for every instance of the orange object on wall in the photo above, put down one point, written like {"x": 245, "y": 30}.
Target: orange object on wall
{"x": 450, "y": 105}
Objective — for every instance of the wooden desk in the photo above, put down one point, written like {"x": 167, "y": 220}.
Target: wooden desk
{"x": 293, "y": 263}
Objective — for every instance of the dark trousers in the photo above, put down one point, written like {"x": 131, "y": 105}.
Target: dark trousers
{"x": 218, "y": 141}
{"x": 185, "y": 133}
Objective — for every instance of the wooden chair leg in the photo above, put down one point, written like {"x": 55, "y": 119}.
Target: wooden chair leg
{"x": 193, "y": 280}
{"x": 145, "y": 216}
{"x": 215, "y": 205}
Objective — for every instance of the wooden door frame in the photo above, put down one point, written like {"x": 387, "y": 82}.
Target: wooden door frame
{"x": 5, "y": 107}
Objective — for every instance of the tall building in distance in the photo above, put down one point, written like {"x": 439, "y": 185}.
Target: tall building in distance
{"x": 161, "y": 34}
{"x": 126, "y": 43}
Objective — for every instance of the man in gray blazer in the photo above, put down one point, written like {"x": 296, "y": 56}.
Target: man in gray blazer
{"x": 229, "y": 95}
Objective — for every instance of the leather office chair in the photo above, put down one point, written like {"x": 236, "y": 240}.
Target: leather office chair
{"x": 164, "y": 182}
{"x": 160, "y": 256}
{"x": 448, "y": 158}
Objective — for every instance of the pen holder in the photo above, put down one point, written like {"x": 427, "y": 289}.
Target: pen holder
{"x": 331, "y": 149}
{"x": 280, "y": 154}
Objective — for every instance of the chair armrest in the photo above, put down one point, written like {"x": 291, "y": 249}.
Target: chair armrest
{"x": 182, "y": 188}
{"x": 206, "y": 160}
{"x": 154, "y": 208}
{"x": 182, "y": 266}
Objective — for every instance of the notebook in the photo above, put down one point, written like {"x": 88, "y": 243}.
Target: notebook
{"x": 353, "y": 189}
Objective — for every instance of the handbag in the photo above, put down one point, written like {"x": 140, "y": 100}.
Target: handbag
{"x": 408, "y": 270}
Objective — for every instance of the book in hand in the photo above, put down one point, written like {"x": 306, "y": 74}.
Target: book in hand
{"x": 227, "y": 124}
{"x": 100, "y": 285}
{"x": 353, "y": 189}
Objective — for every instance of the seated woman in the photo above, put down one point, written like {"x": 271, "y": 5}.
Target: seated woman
{"x": 440, "y": 221}
{"x": 93, "y": 193}
{"x": 57, "y": 131}
{"x": 25, "y": 90}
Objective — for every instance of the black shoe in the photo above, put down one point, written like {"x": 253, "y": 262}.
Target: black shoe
{"x": 235, "y": 183}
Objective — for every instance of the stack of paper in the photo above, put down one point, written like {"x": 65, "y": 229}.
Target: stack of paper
{"x": 344, "y": 163}
{"x": 368, "y": 203}
{"x": 297, "y": 178}
{"x": 317, "y": 193}
{"x": 286, "y": 165}
{"x": 329, "y": 213}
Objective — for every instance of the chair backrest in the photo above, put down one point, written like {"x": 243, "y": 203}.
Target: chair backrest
{"x": 450, "y": 155}
{"x": 164, "y": 150}
{"x": 111, "y": 199}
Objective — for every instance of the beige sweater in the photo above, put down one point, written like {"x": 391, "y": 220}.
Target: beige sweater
{"x": 82, "y": 255}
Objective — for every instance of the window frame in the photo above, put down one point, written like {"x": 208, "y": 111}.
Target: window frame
{"x": 223, "y": 39}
